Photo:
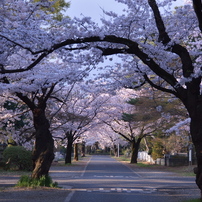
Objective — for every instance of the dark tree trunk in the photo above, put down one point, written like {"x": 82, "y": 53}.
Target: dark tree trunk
{"x": 43, "y": 153}
{"x": 89, "y": 149}
{"x": 76, "y": 156}
{"x": 192, "y": 100}
{"x": 83, "y": 149}
{"x": 115, "y": 150}
{"x": 68, "y": 157}
{"x": 196, "y": 133}
{"x": 135, "y": 148}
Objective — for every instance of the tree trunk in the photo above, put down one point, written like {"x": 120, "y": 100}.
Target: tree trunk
{"x": 76, "y": 156}
{"x": 196, "y": 133}
{"x": 89, "y": 149}
{"x": 83, "y": 149}
{"x": 115, "y": 150}
{"x": 135, "y": 148}
{"x": 43, "y": 153}
{"x": 68, "y": 157}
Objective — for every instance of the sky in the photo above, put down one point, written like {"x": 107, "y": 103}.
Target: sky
{"x": 93, "y": 8}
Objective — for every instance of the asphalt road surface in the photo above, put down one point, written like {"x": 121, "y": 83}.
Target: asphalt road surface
{"x": 107, "y": 180}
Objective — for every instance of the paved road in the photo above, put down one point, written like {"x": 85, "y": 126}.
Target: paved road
{"x": 106, "y": 180}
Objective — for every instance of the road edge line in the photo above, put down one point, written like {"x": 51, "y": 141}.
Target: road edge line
{"x": 84, "y": 170}
{"x": 68, "y": 198}
{"x": 139, "y": 175}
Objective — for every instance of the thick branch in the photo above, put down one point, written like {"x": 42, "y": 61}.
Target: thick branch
{"x": 134, "y": 49}
{"x": 163, "y": 36}
{"x": 111, "y": 51}
{"x": 197, "y": 4}
{"x": 136, "y": 86}
{"x": 121, "y": 134}
{"x": 31, "y": 66}
{"x": 26, "y": 100}
{"x": 165, "y": 39}
{"x": 44, "y": 53}
{"x": 159, "y": 87}
{"x": 153, "y": 66}
{"x": 49, "y": 92}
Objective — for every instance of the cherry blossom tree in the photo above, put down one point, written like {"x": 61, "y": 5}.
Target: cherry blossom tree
{"x": 25, "y": 26}
{"x": 157, "y": 46}
{"x": 154, "y": 43}
{"x": 106, "y": 137}
{"x": 131, "y": 119}
{"x": 77, "y": 115}
{"x": 163, "y": 111}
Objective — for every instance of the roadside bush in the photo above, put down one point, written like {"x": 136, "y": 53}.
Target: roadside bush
{"x": 17, "y": 158}
{"x": 127, "y": 152}
{"x": 157, "y": 150}
{"x": 2, "y": 164}
{"x": 44, "y": 181}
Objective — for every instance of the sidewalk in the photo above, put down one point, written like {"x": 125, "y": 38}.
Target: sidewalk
{"x": 59, "y": 173}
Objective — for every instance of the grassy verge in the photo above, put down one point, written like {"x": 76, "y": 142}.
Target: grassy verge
{"x": 180, "y": 170}
{"x": 44, "y": 181}
{"x": 193, "y": 200}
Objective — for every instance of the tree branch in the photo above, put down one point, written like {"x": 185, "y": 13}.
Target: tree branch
{"x": 50, "y": 92}
{"x": 165, "y": 39}
{"x": 163, "y": 36}
{"x": 159, "y": 87}
{"x": 197, "y": 4}
{"x": 128, "y": 139}
{"x": 26, "y": 100}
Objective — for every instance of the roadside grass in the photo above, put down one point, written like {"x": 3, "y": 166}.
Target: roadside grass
{"x": 44, "y": 181}
{"x": 123, "y": 158}
{"x": 193, "y": 200}
{"x": 180, "y": 170}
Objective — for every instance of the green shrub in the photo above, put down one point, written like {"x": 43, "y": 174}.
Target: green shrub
{"x": 17, "y": 158}
{"x": 157, "y": 150}
{"x": 44, "y": 181}
{"x": 2, "y": 164}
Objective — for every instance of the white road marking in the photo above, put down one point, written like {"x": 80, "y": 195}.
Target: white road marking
{"x": 147, "y": 190}
{"x": 115, "y": 176}
{"x": 140, "y": 176}
{"x": 86, "y": 166}
{"x": 68, "y": 198}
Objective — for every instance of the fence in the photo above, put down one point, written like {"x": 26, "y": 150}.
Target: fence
{"x": 168, "y": 160}
{"x": 144, "y": 156}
